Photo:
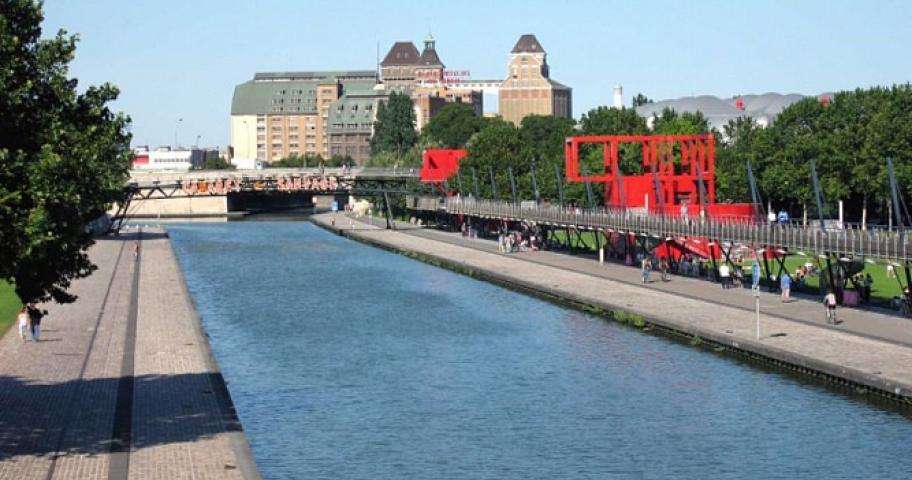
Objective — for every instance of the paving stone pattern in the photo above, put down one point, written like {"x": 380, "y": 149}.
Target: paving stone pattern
{"x": 58, "y": 396}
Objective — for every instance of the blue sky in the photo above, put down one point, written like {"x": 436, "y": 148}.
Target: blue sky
{"x": 182, "y": 59}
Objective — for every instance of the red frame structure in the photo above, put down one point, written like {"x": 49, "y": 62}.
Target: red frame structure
{"x": 674, "y": 162}
{"x": 439, "y": 164}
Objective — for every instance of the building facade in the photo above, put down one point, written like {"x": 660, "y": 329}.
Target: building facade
{"x": 168, "y": 158}
{"x": 280, "y": 114}
{"x": 423, "y": 77}
{"x": 528, "y": 88}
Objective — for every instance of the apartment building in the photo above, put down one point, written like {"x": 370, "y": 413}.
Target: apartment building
{"x": 278, "y": 114}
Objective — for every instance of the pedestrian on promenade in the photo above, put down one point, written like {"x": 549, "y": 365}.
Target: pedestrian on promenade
{"x": 663, "y": 267}
{"x": 135, "y": 249}
{"x": 785, "y": 283}
{"x": 646, "y": 267}
{"x": 755, "y": 274}
{"x": 725, "y": 275}
{"x": 24, "y": 326}
{"x": 35, "y": 320}
{"x": 829, "y": 301}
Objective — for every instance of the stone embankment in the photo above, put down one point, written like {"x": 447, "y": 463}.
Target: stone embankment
{"x": 867, "y": 363}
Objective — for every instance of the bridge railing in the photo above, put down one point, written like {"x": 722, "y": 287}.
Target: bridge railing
{"x": 885, "y": 245}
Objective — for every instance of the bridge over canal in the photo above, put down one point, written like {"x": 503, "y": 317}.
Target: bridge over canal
{"x": 221, "y": 192}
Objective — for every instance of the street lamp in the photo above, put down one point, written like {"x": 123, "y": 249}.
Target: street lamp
{"x": 176, "y": 128}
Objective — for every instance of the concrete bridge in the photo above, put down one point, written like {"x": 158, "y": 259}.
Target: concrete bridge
{"x": 202, "y": 193}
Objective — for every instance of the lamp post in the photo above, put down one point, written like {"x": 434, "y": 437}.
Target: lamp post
{"x": 176, "y": 128}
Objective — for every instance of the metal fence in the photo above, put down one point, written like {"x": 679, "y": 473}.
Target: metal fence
{"x": 853, "y": 243}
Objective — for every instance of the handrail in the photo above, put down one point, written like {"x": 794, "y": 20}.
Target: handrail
{"x": 854, "y": 243}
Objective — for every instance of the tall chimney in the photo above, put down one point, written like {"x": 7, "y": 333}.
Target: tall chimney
{"x": 618, "y": 97}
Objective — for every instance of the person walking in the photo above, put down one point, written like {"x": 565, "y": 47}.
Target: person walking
{"x": 646, "y": 265}
{"x": 829, "y": 301}
{"x": 663, "y": 267}
{"x": 24, "y": 327}
{"x": 724, "y": 275}
{"x": 785, "y": 283}
{"x": 35, "y": 320}
{"x": 755, "y": 274}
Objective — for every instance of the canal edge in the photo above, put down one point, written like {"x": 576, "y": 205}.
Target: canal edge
{"x": 240, "y": 445}
{"x": 826, "y": 373}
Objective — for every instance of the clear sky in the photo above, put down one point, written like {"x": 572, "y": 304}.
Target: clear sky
{"x": 182, "y": 59}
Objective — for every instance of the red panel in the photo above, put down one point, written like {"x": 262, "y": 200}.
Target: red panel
{"x": 141, "y": 159}
{"x": 440, "y": 164}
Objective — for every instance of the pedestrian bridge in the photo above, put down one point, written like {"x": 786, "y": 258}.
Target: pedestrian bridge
{"x": 871, "y": 244}
{"x": 218, "y": 192}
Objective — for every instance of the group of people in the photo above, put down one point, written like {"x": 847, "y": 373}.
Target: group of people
{"x": 647, "y": 264}
{"x": 529, "y": 239}
{"x": 30, "y": 322}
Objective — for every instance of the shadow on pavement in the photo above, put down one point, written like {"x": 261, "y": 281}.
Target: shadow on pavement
{"x": 78, "y": 416}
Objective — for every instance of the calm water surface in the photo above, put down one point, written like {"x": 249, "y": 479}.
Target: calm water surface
{"x": 346, "y": 361}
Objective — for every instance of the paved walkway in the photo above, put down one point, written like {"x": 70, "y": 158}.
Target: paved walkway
{"x": 874, "y": 323}
{"x": 122, "y": 384}
{"x": 836, "y": 351}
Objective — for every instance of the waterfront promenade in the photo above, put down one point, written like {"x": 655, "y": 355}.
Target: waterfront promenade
{"x": 870, "y": 348}
{"x": 123, "y": 384}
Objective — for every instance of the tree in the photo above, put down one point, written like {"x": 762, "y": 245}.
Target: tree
{"x": 671, "y": 122}
{"x": 640, "y": 100}
{"x": 214, "y": 162}
{"x": 64, "y": 158}
{"x": 394, "y": 130}
{"x": 740, "y": 145}
{"x": 452, "y": 127}
{"x": 613, "y": 121}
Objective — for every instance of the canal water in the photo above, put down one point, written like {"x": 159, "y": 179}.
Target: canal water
{"x": 348, "y": 362}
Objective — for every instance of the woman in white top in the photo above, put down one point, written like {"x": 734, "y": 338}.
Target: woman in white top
{"x": 23, "y": 318}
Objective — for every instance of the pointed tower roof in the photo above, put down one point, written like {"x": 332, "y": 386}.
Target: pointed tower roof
{"x": 528, "y": 44}
{"x": 429, "y": 56}
{"x": 402, "y": 53}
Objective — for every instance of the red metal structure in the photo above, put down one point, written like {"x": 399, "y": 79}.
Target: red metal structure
{"x": 438, "y": 164}
{"x": 678, "y": 178}
{"x": 679, "y": 173}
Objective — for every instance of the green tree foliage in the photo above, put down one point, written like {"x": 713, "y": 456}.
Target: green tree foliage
{"x": 613, "y": 121}
{"x": 741, "y": 144}
{"x": 671, "y": 122}
{"x": 64, "y": 157}
{"x": 411, "y": 158}
{"x": 215, "y": 162}
{"x": 849, "y": 139}
{"x": 500, "y": 147}
{"x": 452, "y": 127}
{"x": 640, "y": 100}
{"x": 394, "y": 130}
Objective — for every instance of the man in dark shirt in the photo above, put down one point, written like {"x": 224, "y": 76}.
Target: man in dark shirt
{"x": 35, "y": 316}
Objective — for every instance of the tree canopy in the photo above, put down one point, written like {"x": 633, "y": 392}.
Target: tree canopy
{"x": 453, "y": 126}
{"x": 394, "y": 129}
{"x": 64, "y": 157}
{"x": 849, "y": 138}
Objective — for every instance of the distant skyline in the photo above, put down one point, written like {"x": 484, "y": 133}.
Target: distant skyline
{"x": 181, "y": 60}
